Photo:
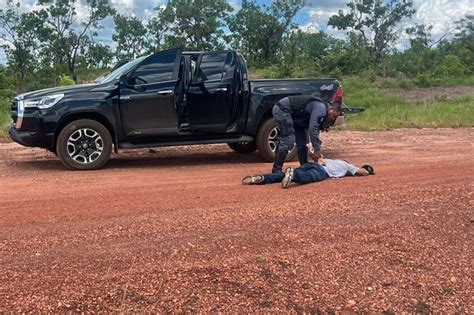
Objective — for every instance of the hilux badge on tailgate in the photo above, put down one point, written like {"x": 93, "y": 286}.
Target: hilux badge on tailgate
{"x": 327, "y": 87}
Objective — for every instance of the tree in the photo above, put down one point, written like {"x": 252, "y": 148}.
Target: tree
{"x": 450, "y": 66}
{"x": 259, "y": 30}
{"x": 63, "y": 34}
{"x": 300, "y": 45}
{"x": 18, "y": 39}
{"x": 375, "y": 22}
{"x": 420, "y": 36}
{"x": 6, "y": 86}
{"x": 465, "y": 27}
{"x": 96, "y": 55}
{"x": 130, "y": 35}
{"x": 463, "y": 42}
{"x": 156, "y": 29}
{"x": 195, "y": 24}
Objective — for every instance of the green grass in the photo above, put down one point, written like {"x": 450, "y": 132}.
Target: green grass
{"x": 5, "y": 119}
{"x": 406, "y": 83}
{"x": 384, "y": 111}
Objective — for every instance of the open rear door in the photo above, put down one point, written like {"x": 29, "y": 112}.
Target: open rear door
{"x": 211, "y": 94}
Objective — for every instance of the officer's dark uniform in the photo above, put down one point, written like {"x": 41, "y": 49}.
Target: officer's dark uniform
{"x": 294, "y": 115}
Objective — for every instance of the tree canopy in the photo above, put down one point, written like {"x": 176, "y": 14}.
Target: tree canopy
{"x": 259, "y": 31}
{"x": 55, "y": 40}
{"x": 375, "y": 22}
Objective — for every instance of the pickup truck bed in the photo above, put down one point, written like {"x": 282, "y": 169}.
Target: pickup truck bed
{"x": 265, "y": 93}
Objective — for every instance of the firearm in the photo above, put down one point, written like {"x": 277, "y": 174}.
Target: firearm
{"x": 351, "y": 110}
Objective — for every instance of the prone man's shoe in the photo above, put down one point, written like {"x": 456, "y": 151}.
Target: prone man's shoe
{"x": 253, "y": 180}
{"x": 285, "y": 183}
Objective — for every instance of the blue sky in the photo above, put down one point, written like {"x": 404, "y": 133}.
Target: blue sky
{"x": 313, "y": 17}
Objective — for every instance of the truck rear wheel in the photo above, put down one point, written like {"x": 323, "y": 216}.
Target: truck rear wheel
{"x": 243, "y": 147}
{"x": 267, "y": 140}
{"x": 84, "y": 144}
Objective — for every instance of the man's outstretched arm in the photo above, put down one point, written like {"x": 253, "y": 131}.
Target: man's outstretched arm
{"x": 318, "y": 111}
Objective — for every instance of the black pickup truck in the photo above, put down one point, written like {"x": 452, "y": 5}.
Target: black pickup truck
{"x": 165, "y": 99}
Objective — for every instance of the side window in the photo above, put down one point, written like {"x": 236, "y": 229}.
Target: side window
{"x": 212, "y": 67}
{"x": 156, "y": 69}
{"x": 229, "y": 66}
{"x": 194, "y": 71}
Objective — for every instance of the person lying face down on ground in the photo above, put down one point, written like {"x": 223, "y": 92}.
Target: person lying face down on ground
{"x": 310, "y": 173}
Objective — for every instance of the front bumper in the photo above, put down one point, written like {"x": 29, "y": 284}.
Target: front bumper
{"x": 31, "y": 138}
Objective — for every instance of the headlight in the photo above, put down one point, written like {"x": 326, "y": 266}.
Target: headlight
{"x": 44, "y": 102}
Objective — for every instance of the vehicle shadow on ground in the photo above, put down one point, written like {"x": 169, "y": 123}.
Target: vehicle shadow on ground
{"x": 181, "y": 160}
{"x": 149, "y": 161}
{"x": 160, "y": 160}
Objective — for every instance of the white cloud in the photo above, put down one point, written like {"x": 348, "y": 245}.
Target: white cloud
{"x": 82, "y": 12}
{"x": 123, "y": 4}
{"x": 441, "y": 14}
{"x": 25, "y": 5}
{"x": 317, "y": 18}
{"x": 236, "y": 5}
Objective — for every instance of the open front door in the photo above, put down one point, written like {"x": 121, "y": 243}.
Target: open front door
{"x": 148, "y": 102}
{"x": 211, "y": 95}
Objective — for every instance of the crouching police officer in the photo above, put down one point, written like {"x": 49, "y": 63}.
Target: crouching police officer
{"x": 295, "y": 115}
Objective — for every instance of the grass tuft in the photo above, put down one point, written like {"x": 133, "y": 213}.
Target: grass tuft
{"x": 384, "y": 111}
{"x": 5, "y": 119}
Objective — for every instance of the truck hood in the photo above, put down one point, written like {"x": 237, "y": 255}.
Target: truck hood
{"x": 70, "y": 89}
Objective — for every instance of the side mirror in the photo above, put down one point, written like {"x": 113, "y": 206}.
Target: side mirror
{"x": 123, "y": 80}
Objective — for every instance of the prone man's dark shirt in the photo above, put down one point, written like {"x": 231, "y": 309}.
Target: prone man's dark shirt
{"x": 317, "y": 111}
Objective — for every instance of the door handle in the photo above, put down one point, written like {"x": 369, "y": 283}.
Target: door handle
{"x": 221, "y": 90}
{"x": 166, "y": 92}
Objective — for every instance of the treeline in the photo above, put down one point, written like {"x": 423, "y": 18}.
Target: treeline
{"x": 44, "y": 45}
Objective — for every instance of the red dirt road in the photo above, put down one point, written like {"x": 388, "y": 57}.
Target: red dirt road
{"x": 176, "y": 231}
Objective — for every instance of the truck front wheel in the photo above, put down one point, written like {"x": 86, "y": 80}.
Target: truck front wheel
{"x": 84, "y": 144}
{"x": 267, "y": 140}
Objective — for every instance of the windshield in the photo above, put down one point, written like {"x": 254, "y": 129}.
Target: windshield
{"x": 122, "y": 70}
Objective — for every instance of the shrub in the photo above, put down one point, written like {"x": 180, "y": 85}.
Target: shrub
{"x": 277, "y": 71}
{"x": 427, "y": 80}
{"x": 307, "y": 70}
{"x": 4, "y": 116}
{"x": 369, "y": 74}
{"x": 336, "y": 73}
{"x": 450, "y": 66}
{"x": 65, "y": 80}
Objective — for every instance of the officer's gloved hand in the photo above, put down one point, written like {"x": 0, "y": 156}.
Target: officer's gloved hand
{"x": 316, "y": 155}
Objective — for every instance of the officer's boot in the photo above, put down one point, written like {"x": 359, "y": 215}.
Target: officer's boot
{"x": 280, "y": 156}
{"x": 303, "y": 155}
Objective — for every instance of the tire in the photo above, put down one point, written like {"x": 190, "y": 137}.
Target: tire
{"x": 84, "y": 144}
{"x": 243, "y": 147}
{"x": 267, "y": 140}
